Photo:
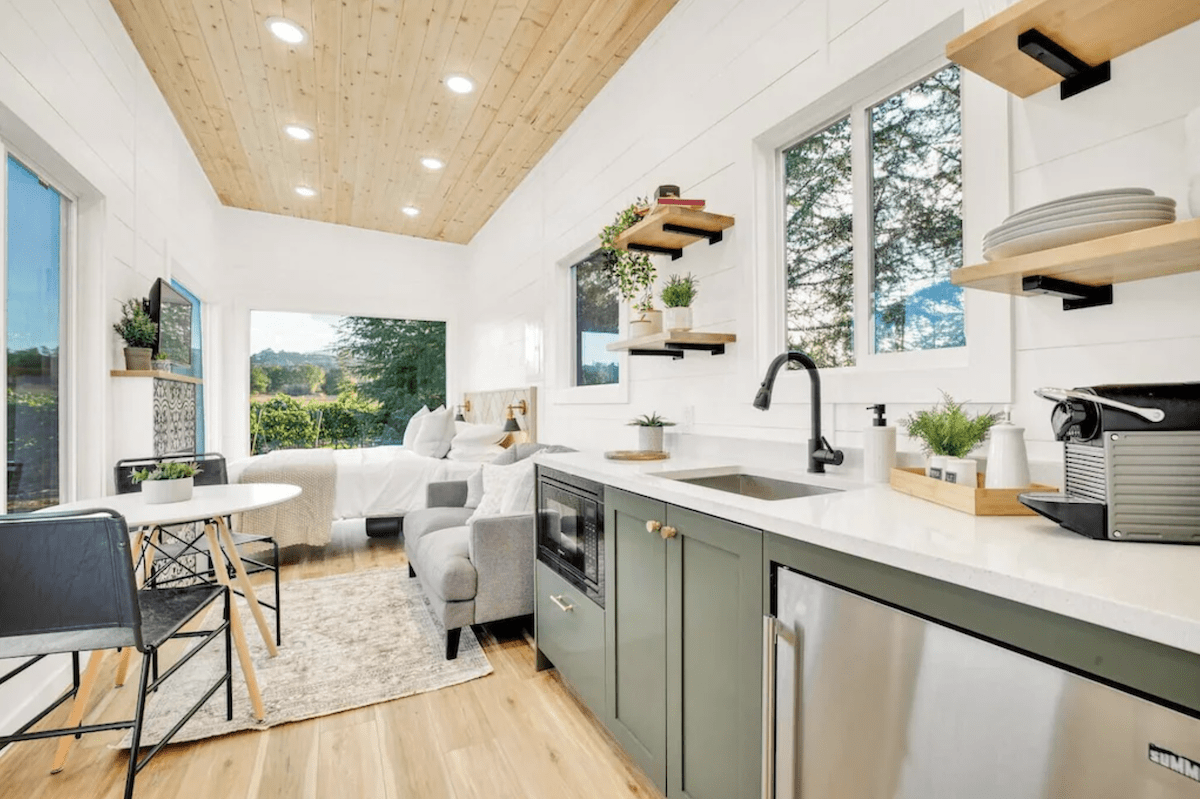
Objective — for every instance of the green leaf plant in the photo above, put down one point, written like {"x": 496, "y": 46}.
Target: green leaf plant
{"x": 679, "y": 291}
{"x": 633, "y": 271}
{"x": 650, "y": 420}
{"x": 172, "y": 470}
{"x": 946, "y": 429}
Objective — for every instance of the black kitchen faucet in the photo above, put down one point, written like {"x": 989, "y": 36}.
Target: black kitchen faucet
{"x": 820, "y": 451}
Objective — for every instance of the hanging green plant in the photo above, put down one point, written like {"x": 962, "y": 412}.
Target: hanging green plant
{"x": 633, "y": 271}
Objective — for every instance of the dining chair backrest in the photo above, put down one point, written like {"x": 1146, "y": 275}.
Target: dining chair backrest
{"x": 68, "y": 584}
{"x": 212, "y": 469}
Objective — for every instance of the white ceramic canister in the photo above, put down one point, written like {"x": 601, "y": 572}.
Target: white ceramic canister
{"x": 1007, "y": 460}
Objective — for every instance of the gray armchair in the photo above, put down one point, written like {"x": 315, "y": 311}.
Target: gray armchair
{"x": 470, "y": 573}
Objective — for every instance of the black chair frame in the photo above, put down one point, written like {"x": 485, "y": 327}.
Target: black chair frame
{"x": 149, "y": 649}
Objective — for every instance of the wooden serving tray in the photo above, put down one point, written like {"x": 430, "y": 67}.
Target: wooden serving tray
{"x": 978, "y": 501}
{"x": 635, "y": 455}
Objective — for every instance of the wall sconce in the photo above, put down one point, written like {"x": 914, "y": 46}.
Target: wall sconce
{"x": 510, "y": 423}
{"x": 464, "y": 408}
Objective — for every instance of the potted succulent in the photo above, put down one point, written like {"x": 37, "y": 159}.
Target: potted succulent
{"x": 167, "y": 482}
{"x": 161, "y": 363}
{"x": 139, "y": 332}
{"x": 677, "y": 296}
{"x": 947, "y": 434}
{"x": 650, "y": 431}
{"x": 634, "y": 272}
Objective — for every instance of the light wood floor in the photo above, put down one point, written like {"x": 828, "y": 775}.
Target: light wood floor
{"x": 514, "y": 733}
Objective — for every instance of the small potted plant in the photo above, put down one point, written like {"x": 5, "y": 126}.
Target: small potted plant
{"x": 947, "y": 434}
{"x": 161, "y": 363}
{"x": 167, "y": 482}
{"x": 650, "y": 431}
{"x": 634, "y": 272}
{"x": 677, "y": 296}
{"x": 139, "y": 332}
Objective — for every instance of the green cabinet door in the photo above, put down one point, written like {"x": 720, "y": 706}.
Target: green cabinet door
{"x": 714, "y": 657}
{"x": 635, "y": 630}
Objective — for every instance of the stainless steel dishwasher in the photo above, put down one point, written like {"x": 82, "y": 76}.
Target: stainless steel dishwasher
{"x": 865, "y": 701}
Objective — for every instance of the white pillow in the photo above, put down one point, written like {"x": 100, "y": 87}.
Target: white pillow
{"x": 470, "y": 435}
{"x": 496, "y": 481}
{"x": 484, "y": 454}
{"x": 518, "y": 497}
{"x": 433, "y": 439}
{"x": 414, "y": 426}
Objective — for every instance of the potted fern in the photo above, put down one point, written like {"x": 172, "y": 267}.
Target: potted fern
{"x": 172, "y": 481}
{"x": 947, "y": 434}
{"x": 139, "y": 332}
{"x": 677, "y": 295}
{"x": 634, "y": 272}
{"x": 650, "y": 431}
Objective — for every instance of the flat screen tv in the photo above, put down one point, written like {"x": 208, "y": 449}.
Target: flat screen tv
{"x": 173, "y": 313}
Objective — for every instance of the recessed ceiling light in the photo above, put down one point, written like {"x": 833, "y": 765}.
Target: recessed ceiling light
{"x": 298, "y": 132}
{"x": 410, "y": 211}
{"x": 305, "y": 191}
{"x": 286, "y": 30}
{"x": 432, "y": 163}
{"x": 459, "y": 84}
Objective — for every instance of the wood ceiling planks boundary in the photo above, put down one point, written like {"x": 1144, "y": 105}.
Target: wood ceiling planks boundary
{"x": 369, "y": 82}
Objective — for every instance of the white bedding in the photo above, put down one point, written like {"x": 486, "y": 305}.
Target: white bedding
{"x": 375, "y": 481}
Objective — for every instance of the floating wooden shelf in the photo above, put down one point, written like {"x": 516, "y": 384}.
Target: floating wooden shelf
{"x": 1142, "y": 254}
{"x": 1095, "y": 31}
{"x": 673, "y": 345}
{"x": 154, "y": 373}
{"x": 667, "y": 230}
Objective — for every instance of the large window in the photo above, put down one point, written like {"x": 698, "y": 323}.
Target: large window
{"x": 35, "y": 233}
{"x": 894, "y": 169}
{"x": 597, "y": 321}
{"x": 340, "y": 381}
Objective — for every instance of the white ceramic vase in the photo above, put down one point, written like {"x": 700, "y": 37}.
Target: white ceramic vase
{"x": 160, "y": 492}
{"x": 645, "y": 323}
{"x": 650, "y": 439}
{"x": 1007, "y": 460}
{"x": 677, "y": 319}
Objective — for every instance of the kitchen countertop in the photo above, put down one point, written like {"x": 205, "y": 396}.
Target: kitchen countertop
{"x": 1151, "y": 591}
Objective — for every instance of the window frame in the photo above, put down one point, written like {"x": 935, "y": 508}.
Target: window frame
{"x": 68, "y": 467}
{"x": 564, "y": 390}
{"x": 982, "y": 370}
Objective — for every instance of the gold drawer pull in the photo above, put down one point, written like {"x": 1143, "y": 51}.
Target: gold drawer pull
{"x": 669, "y": 532}
{"x": 565, "y": 607}
{"x": 653, "y": 527}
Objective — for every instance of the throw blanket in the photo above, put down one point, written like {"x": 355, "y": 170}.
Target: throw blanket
{"x": 307, "y": 519}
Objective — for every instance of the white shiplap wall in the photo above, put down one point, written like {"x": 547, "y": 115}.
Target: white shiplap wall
{"x": 77, "y": 101}
{"x": 687, "y": 108}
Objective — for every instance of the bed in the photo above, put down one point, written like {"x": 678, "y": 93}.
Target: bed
{"x": 379, "y": 484}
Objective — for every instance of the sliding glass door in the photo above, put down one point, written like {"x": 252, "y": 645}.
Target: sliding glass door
{"x": 34, "y": 236}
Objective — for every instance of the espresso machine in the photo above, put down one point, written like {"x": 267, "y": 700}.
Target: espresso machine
{"x": 1131, "y": 462}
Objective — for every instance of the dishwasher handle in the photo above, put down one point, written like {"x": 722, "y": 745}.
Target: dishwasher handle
{"x": 773, "y": 632}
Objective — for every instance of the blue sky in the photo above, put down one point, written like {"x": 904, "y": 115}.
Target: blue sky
{"x": 292, "y": 332}
{"x": 34, "y": 274}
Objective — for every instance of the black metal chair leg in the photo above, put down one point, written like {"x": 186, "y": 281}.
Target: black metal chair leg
{"x": 452, "y": 637}
{"x": 278, "y": 599}
{"x": 228, "y": 659}
{"x": 139, "y": 714}
{"x": 411, "y": 572}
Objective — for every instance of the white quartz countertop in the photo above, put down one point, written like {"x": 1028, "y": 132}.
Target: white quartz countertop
{"x": 1151, "y": 591}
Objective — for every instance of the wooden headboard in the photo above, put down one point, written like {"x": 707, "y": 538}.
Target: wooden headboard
{"x": 491, "y": 407}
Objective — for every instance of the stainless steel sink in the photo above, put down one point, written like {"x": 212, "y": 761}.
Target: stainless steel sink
{"x": 756, "y": 486}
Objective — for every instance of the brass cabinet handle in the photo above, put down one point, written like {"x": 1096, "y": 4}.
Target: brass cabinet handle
{"x": 669, "y": 532}
{"x": 653, "y": 526}
{"x": 565, "y": 607}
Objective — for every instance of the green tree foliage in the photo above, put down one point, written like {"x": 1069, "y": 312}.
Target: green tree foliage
{"x": 597, "y": 318}
{"x": 281, "y": 422}
{"x": 336, "y": 383}
{"x": 310, "y": 376}
{"x": 819, "y": 246}
{"x": 401, "y": 365}
{"x": 260, "y": 383}
{"x": 351, "y": 421}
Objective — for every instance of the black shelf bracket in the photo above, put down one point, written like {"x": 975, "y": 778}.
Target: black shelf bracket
{"x": 1077, "y": 75}
{"x": 672, "y": 354}
{"x": 711, "y": 349}
{"x": 713, "y": 236}
{"x": 1074, "y": 295}
{"x": 675, "y": 254}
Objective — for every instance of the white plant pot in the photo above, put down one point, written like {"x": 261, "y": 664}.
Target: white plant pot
{"x": 650, "y": 439}
{"x": 645, "y": 323}
{"x": 677, "y": 319}
{"x": 160, "y": 492}
{"x": 962, "y": 471}
{"x": 937, "y": 467}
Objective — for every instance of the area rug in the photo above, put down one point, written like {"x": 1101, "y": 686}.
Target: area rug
{"x": 348, "y": 641}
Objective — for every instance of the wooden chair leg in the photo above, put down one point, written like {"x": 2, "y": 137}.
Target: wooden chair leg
{"x": 78, "y": 707}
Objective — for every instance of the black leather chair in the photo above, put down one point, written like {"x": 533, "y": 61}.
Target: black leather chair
{"x": 212, "y": 472}
{"x": 69, "y": 586}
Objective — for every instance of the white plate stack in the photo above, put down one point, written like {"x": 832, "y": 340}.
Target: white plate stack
{"x": 1082, "y": 217}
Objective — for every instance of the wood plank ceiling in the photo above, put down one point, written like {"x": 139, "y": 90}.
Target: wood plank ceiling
{"x": 369, "y": 81}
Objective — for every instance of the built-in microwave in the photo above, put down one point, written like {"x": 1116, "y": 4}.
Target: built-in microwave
{"x": 570, "y": 530}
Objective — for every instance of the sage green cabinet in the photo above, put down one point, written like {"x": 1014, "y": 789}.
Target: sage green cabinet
{"x": 684, "y": 649}
{"x": 569, "y": 630}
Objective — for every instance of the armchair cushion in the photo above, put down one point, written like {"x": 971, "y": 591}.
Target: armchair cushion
{"x": 421, "y": 523}
{"x": 445, "y": 567}
{"x": 501, "y": 549}
{"x": 447, "y": 494}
